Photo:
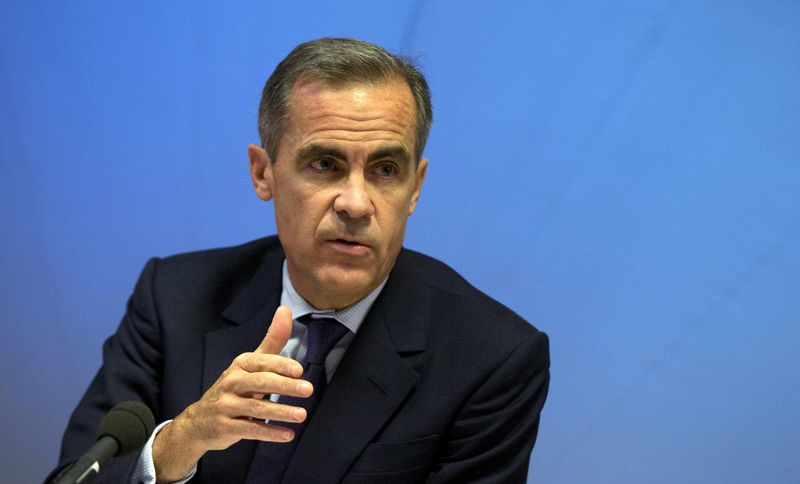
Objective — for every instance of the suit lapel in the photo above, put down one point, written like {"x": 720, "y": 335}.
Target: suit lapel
{"x": 372, "y": 380}
{"x": 246, "y": 321}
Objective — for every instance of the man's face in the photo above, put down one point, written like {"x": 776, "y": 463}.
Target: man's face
{"x": 343, "y": 185}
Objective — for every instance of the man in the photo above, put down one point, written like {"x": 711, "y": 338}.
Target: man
{"x": 431, "y": 381}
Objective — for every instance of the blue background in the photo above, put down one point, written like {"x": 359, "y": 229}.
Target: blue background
{"x": 623, "y": 174}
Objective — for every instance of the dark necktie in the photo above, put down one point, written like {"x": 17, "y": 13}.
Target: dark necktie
{"x": 271, "y": 459}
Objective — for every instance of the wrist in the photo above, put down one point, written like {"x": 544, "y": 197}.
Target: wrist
{"x": 175, "y": 452}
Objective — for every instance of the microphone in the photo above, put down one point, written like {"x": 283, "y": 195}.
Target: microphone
{"x": 123, "y": 430}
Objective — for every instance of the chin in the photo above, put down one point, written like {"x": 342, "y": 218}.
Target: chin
{"x": 348, "y": 283}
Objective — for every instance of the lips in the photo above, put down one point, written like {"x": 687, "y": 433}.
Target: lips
{"x": 349, "y": 246}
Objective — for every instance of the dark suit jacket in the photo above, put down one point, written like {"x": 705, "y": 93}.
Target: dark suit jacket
{"x": 441, "y": 383}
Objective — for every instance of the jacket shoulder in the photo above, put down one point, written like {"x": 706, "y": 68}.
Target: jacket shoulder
{"x": 463, "y": 301}
{"x": 213, "y": 277}
{"x": 248, "y": 253}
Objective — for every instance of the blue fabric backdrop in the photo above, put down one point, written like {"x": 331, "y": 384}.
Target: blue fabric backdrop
{"x": 624, "y": 174}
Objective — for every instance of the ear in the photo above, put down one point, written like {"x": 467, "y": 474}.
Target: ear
{"x": 260, "y": 171}
{"x": 422, "y": 168}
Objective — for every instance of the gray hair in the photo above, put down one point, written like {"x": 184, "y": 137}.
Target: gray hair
{"x": 338, "y": 62}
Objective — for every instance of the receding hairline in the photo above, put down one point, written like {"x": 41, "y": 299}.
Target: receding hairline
{"x": 341, "y": 62}
{"x": 344, "y": 84}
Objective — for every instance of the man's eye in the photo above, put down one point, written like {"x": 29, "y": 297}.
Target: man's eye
{"x": 325, "y": 164}
{"x": 386, "y": 169}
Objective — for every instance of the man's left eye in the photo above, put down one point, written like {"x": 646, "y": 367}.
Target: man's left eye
{"x": 386, "y": 169}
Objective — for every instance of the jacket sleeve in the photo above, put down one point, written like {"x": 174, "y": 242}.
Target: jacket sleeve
{"x": 131, "y": 370}
{"x": 492, "y": 437}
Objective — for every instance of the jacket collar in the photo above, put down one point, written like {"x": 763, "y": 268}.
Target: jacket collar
{"x": 403, "y": 290}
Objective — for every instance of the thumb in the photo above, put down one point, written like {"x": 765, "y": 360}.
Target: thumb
{"x": 278, "y": 333}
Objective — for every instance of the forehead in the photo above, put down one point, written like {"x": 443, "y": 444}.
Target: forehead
{"x": 356, "y": 112}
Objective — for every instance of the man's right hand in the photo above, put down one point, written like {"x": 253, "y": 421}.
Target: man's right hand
{"x": 234, "y": 407}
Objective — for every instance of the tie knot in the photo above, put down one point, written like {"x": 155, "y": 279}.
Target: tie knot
{"x": 323, "y": 333}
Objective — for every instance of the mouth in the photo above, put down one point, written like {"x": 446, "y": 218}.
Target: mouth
{"x": 350, "y": 246}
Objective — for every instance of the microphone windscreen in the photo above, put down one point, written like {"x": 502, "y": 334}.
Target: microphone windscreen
{"x": 130, "y": 424}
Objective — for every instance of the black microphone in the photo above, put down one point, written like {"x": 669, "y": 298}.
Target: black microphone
{"x": 123, "y": 430}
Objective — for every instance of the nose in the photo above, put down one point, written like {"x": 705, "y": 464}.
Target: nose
{"x": 354, "y": 200}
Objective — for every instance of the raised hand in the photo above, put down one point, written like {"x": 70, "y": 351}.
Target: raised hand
{"x": 234, "y": 408}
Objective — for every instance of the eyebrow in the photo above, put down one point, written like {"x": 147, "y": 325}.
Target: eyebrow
{"x": 394, "y": 152}
{"x": 317, "y": 150}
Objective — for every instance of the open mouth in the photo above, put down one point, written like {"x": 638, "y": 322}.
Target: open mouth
{"x": 349, "y": 246}
{"x": 348, "y": 242}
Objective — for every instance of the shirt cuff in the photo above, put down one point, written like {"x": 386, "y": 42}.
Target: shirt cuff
{"x": 145, "y": 470}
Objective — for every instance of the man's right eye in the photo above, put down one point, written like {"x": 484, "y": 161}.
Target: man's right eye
{"x": 324, "y": 164}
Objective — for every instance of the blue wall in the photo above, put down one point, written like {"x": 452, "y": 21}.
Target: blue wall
{"x": 624, "y": 174}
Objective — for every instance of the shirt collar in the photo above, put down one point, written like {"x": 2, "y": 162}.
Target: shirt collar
{"x": 351, "y": 317}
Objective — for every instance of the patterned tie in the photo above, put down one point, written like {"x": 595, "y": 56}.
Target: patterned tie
{"x": 271, "y": 459}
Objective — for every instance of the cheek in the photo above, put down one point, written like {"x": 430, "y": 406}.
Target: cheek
{"x": 300, "y": 216}
{"x": 394, "y": 225}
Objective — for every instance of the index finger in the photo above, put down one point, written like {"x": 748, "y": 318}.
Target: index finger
{"x": 278, "y": 333}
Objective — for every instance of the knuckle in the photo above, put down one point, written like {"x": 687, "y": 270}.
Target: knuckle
{"x": 216, "y": 407}
{"x": 262, "y": 381}
{"x": 241, "y": 360}
{"x": 266, "y": 362}
{"x": 287, "y": 386}
{"x": 255, "y": 428}
{"x": 229, "y": 382}
{"x": 271, "y": 433}
{"x": 288, "y": 414}
{"x": 256, "y": 408}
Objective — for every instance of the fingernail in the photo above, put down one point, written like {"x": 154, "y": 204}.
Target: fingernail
{"x": 303, "y": 387}
{"x": 287, "y": 434}
{"x": 298, "y": 415}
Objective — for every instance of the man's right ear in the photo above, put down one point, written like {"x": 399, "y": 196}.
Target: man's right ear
{"x": 260, "y": 171}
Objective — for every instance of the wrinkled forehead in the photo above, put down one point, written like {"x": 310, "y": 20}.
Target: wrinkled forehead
{"x": 317, "y": 104}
